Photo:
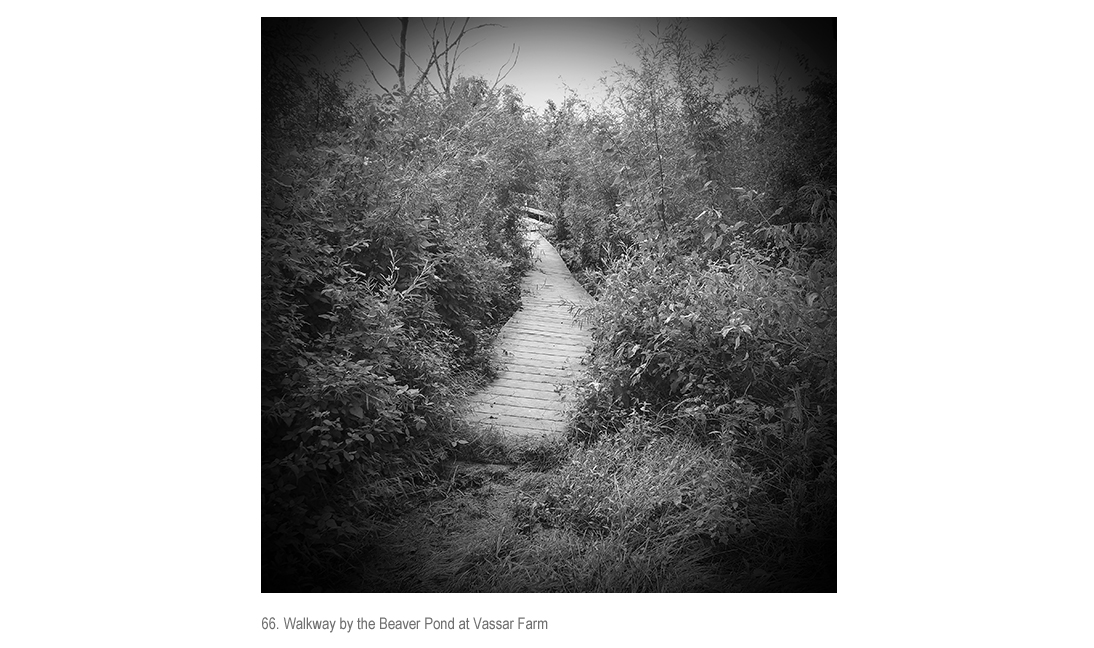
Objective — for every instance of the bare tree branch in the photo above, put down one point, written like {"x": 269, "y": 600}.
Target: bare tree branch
{"x": 369, "y": 67}
{"x": 402, "y": 55}
{"x": 424, "y": 73}
{"x": 501, "y": 77}
{"x": 445, "y": 61}
{"x": 450, "y": 64}
{"x": 446, "y": 68}
{"x": 374, "y": 45}
{"x": 432, "y": 34}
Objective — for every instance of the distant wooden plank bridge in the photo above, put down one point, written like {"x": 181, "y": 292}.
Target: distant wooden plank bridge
{"x": 538, "y": 214}
{"x": 540, "y": 349}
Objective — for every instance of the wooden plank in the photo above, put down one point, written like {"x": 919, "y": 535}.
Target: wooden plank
{"x": 532, "y": 375}
{"x": 523, "y": 385}
{"x": 538, "y": 212}
{"x": 480, "y": 400}
{"x": 517, "y": 411}
{"x": 561, "y": 333}
{"x": 512, "y": 390}
{"x": 540, "y": 350}
{"x": 523, "y": 359}
{"x": 513, "y": 424}
{"x": 567, "y": 333}
{"x": 539, "y": 374}
{"x": 531, "y": 347}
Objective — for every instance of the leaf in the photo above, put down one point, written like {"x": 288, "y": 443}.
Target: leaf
{"x": 357, "y": 411}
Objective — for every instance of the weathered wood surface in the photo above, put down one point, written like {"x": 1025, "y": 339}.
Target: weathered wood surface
{"x": 540, "y": 350}
{"x": 542, "y": 215}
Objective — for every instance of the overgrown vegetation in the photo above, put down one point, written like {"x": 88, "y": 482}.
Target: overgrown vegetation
{"x": 390, "y": 256}
{"x": 703, "y": 453}
{"x": 705, "y": 226}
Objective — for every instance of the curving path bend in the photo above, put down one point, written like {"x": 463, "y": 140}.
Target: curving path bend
{"x": 540, "y": 350}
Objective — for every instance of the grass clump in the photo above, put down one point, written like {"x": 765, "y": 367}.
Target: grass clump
{"x": 647, "y": 487}
{"x": 635, "y": 511}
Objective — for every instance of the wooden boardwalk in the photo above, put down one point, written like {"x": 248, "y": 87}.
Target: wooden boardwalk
{"x": 540, "y": 351}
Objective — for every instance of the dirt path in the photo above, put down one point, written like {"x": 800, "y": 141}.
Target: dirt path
{"x": 540, "y": 349}
{"x": 468, "y": 539}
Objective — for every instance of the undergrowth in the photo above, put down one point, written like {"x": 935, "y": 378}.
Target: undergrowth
{"x": 391, "y": 255}
{"x": 703, "y": 453}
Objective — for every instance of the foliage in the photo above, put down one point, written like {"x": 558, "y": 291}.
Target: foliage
{"x": 390, "y": 256}
{"x": 705, "y": 440}
{"x": 737, "y": 354}
{"x": 706, "y": 229}
{"x": 668, "y": 157}
{"x": 669, "y": 328}
{"x": 641, "y": 511}
{"x": 648, "y": 488}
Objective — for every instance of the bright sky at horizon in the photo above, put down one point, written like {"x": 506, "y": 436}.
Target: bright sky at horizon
{"x": 560, "y": 53}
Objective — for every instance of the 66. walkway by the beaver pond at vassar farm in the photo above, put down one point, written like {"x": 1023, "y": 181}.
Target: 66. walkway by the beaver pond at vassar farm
{"x": 540, "y": 351}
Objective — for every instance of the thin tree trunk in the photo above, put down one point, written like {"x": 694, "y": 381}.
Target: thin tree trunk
{"x": 660, "y": 163}
{"x": 402, "y": 56}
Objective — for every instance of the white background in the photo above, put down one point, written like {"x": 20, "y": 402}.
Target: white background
{"x": 131, "y": 353}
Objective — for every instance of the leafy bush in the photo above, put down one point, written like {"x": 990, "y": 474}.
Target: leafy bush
{"x": 390, "y": 257}
{"x": 705, "y": 226}
{"x": 669, "y": 328}
{"x": 736, "y": 355}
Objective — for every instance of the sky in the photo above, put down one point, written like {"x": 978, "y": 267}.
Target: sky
{"x": 556, "y": 53}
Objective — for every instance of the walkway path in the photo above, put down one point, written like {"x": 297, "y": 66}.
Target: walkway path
{"x": 540, "y": 350}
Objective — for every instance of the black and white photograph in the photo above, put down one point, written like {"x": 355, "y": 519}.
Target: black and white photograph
{"x": 542, "y": 312}
{"x": 548, "y": 305}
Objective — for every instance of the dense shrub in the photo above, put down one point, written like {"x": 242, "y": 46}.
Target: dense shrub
{"x": 391, "y": 253}
{"x": 738, "y": 354}
{"x": 648, "y": 487}
{"x": 671, "y": 327}
{"x": 707, "y": 233}
{"x": 390, "y": 256}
